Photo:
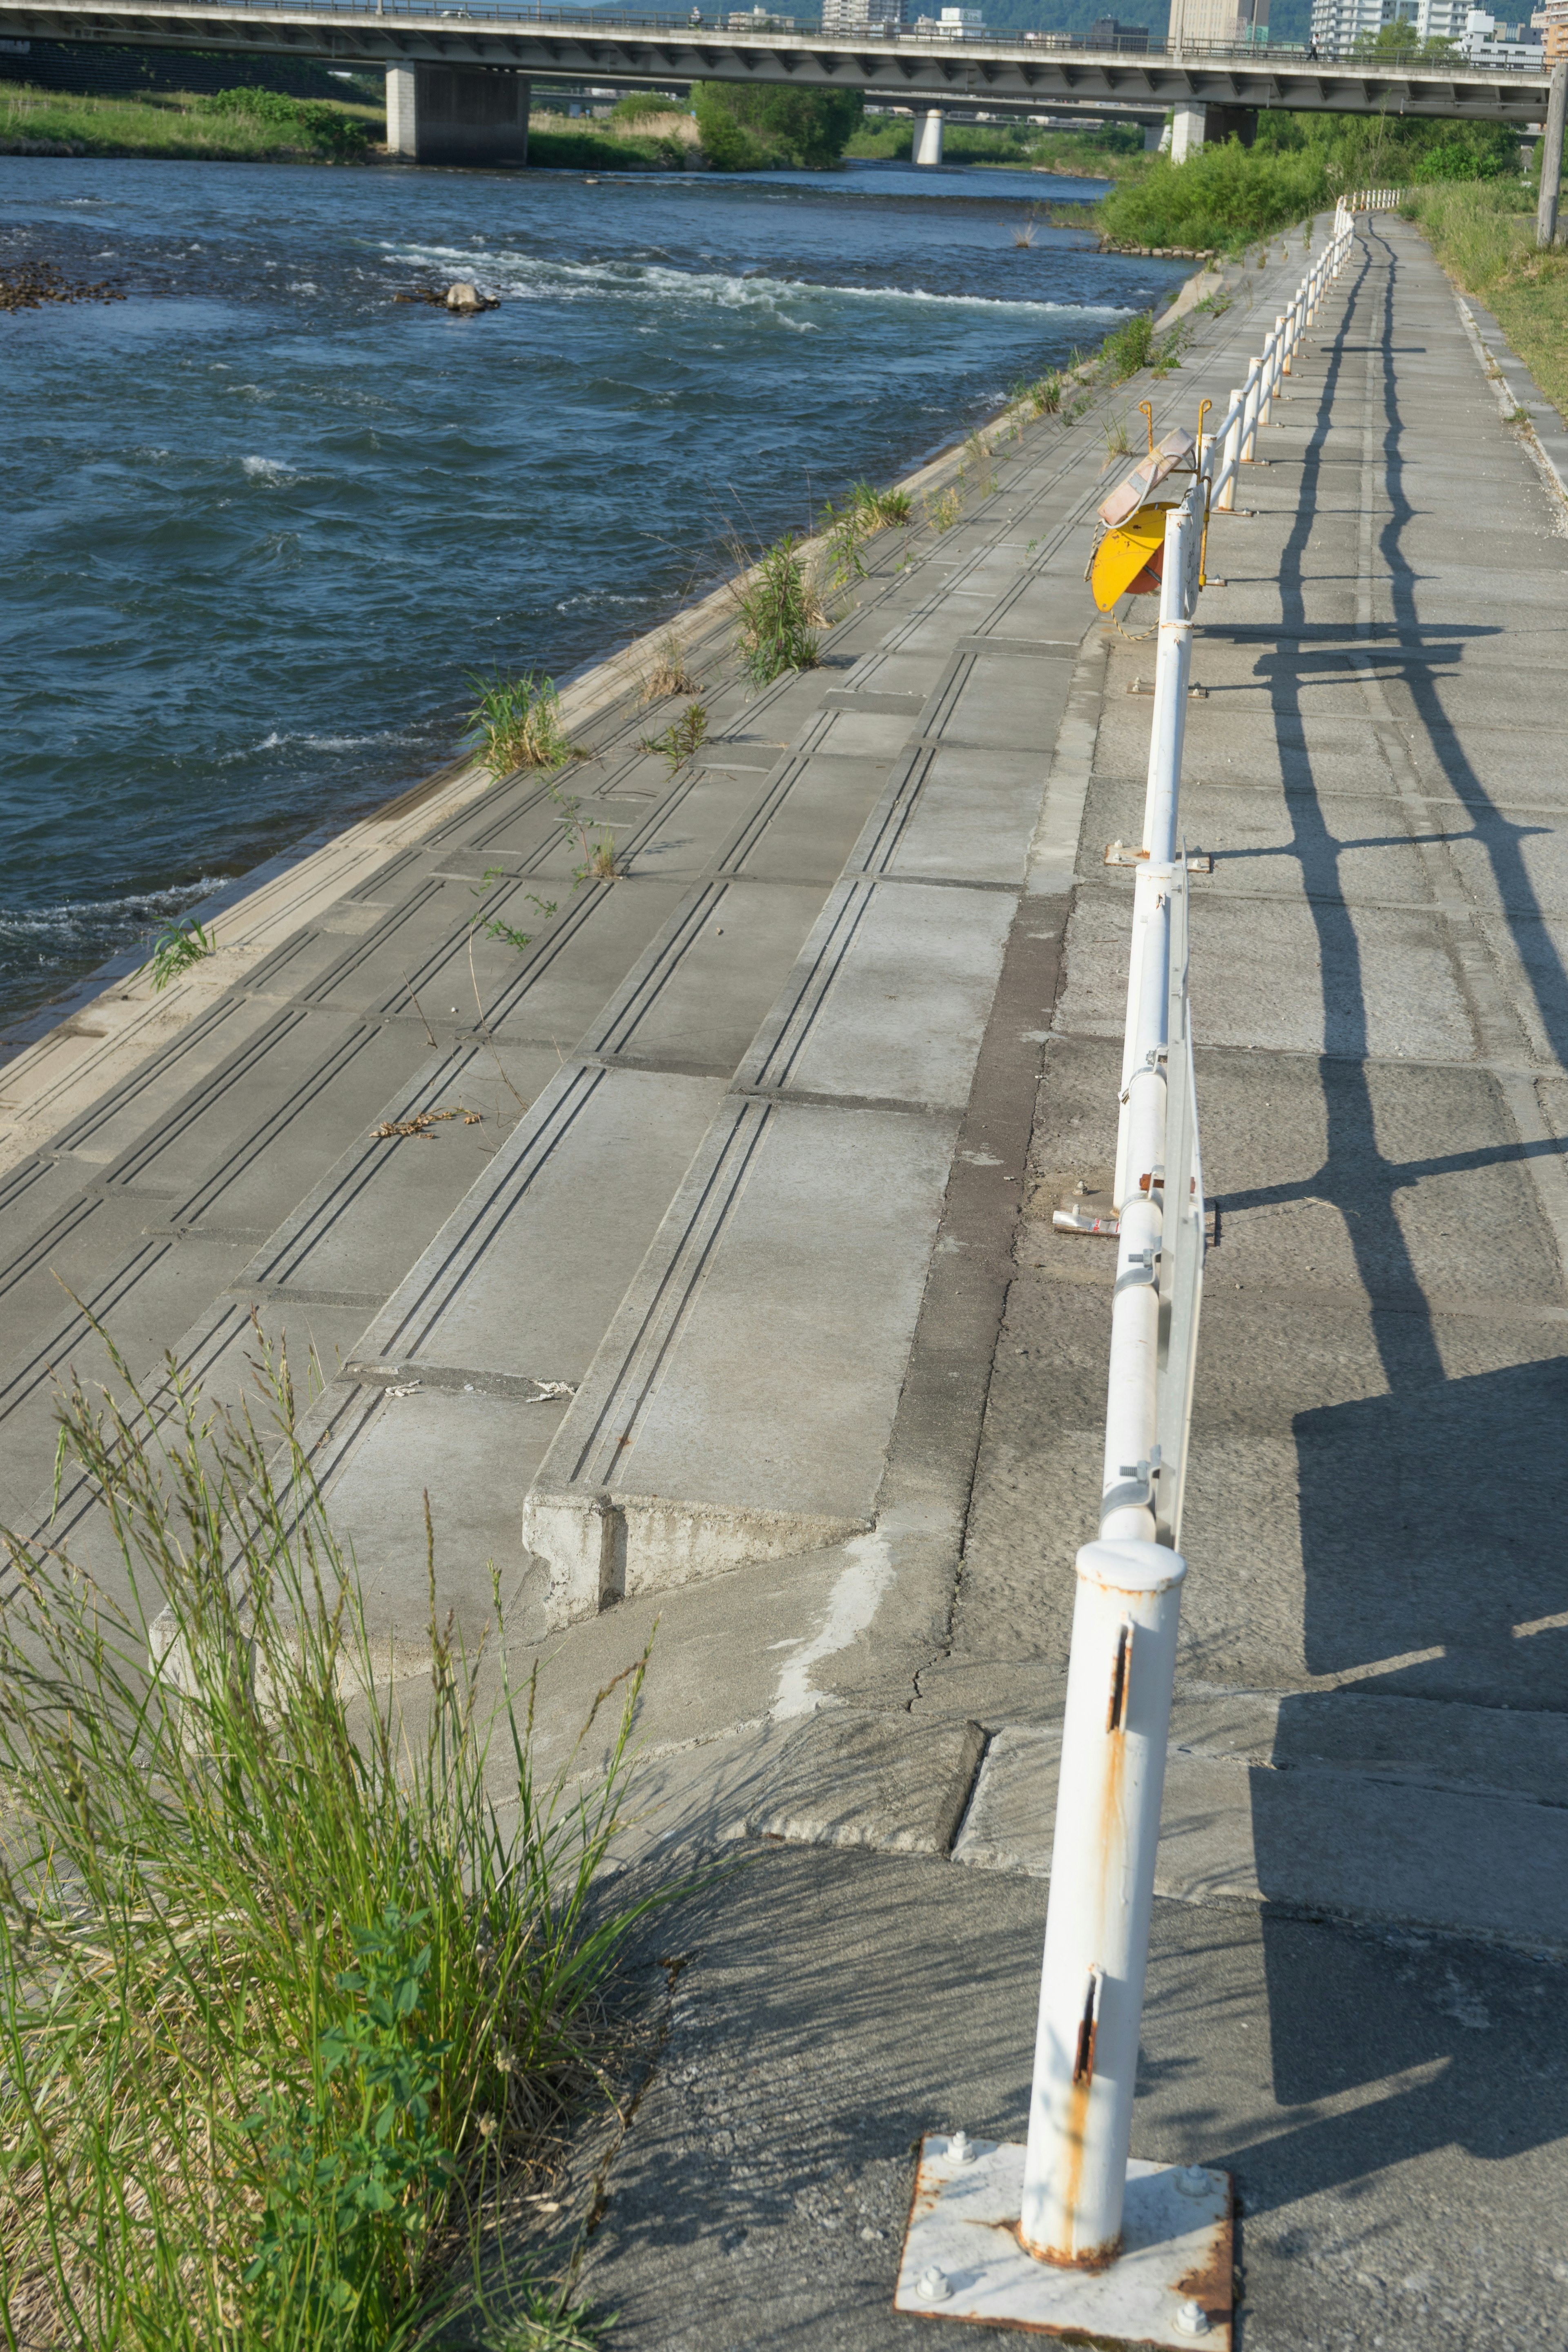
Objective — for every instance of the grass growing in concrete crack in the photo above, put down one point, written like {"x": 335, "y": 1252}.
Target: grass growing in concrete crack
{"x": 682, "y": 739}
{"x": 944, "y": 512}
{"x": 493, "y": 926}
{"x": 670, "y": 676}
{"x": 1044, "y": 395}
{"x": 779, "y": 612}
{"x": 280, "y": 1990}
{"x": 860, "y": 516}
{"x": 517, "y": 723}
{"x": 178, "y": 946}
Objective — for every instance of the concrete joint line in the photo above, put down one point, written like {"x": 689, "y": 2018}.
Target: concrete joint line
{"x": 1053, "y": 853}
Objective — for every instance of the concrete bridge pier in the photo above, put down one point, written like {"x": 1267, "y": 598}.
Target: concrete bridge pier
{"x": 928, "y": 138}
{"x": 457, "y": 114}
{"x": 1189, "y": 128}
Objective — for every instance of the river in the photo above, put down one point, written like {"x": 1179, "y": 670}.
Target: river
{"x": 265, "y": 521}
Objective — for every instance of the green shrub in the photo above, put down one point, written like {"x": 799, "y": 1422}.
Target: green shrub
{"x": 639, "y": 104}
{"x": 343, "y": 136}
{"x": 1131, "y": 346}
{"x": 1222, "y": 196}
{"x": 517, "y": 722}
{"x": 755, "y": 130}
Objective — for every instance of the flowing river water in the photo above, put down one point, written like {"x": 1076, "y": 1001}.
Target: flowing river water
{"x": 264, "y": 521}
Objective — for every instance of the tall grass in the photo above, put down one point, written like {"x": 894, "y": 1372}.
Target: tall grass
{"x": 779, "y": 611}
{"x": 280, "y": 1990}
{"x": 517, "y": 722}
{"x": 1483, "y": 233}
{"x": 178, "y": 125}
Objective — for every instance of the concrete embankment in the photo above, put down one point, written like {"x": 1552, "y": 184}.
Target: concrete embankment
{"x": 744, "y": 1287}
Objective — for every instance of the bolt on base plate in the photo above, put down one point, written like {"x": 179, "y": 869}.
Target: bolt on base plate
{"x": 1170, "y": 2286}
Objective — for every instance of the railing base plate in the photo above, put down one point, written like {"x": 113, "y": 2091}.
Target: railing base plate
{"x": 1170, "y": 2286}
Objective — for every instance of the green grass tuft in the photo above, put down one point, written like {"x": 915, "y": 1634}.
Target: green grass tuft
{"x": 779, "y": 611}
{"x": 517, "y": 722}
{"x": 291, "y": 1960}
{"x": 178, "y": 946}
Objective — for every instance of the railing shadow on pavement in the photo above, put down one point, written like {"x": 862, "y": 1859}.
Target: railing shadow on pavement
{"x": 1418, "y": 1559}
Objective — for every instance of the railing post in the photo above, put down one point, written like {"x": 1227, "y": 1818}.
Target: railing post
{"x": 1249, "y": 414}
{"x": 1230, "y": 455}
{"x": 1114, "y": 1736}
{"x": 1272, "y": 352}
{"x": 1167, "y": 736}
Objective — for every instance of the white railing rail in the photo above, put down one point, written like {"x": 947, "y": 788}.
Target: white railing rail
{"x": 1122, "y": 1666}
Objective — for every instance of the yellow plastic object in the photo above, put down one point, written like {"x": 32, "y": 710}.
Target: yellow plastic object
{"x": 1129, "y": 559}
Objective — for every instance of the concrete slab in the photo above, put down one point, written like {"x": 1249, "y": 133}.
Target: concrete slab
{"x": 351, "y": 1234}
{"x": 739, "y": 1406}
{"x": 850, "y": 1779}
{"x": 1365, "y": 980}
{"x": 1322, "y": 1843}
{"x": 888, "y": 999}
{"x": 523, "y": 1278}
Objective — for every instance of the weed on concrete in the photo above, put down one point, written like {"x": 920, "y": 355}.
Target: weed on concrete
{"x": 682, "y": 739}
{"x": 670, "y": 676}
{"x": 495, "y": 926}
{"x": 178, "y": 947}
{"x": 780, "y": 610}
{"x": 281, "y": 1991}
{"x": 516, "y": 722}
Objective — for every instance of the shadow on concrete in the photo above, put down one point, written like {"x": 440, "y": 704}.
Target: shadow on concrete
{"x": 1421, "y": 1509}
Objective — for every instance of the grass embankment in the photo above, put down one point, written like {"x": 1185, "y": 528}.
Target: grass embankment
{"x": 180, "y": 126}
{"x": 297, "y": 1972}
{"x": 1484, "y": 235}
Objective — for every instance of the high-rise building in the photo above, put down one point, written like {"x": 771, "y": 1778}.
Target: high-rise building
{"x": 1219, "y": 23}
{"x": 1551, "y": 24}
{"x": 862, "y": 15}
{"x": 1339, "y": 24}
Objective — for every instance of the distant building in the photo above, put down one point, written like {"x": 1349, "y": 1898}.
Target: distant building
{"x": 1219, "y": 23}
{"x": 1440, "y": 20}
{"x": 952, "y": 24}
{"x": 1109, "y": 33}
{"x": 1487, "y": 42}
{"x": 1339, "y": 24}
{"x": 1551, "y": 24}
{"x": 854, "y": 16}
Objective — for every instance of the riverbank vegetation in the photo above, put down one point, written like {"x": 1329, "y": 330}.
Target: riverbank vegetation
{"x": 1104, "y": 154}
{"x": 235, "y": 126}
{"x": 296, "y": 1967}
{"x": 1227, "y": 196}
{"x": 765, "y": 127}
{"x": 1483, "y": 233}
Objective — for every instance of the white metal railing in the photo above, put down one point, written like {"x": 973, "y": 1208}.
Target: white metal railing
{"x": 1123, "y": 1667}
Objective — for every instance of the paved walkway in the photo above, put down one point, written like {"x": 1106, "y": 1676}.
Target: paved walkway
{"x": 770, "y": 1132}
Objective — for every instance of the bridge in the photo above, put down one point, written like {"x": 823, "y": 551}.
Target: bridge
{"x": 460, "y": 76}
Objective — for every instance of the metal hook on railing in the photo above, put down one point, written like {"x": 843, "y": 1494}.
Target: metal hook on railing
{"x": 1206, "y": 472}
{"x": 1146, "y": 410}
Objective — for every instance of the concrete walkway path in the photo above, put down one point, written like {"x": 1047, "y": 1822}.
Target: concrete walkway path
{"x": 738, "y": 1312}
